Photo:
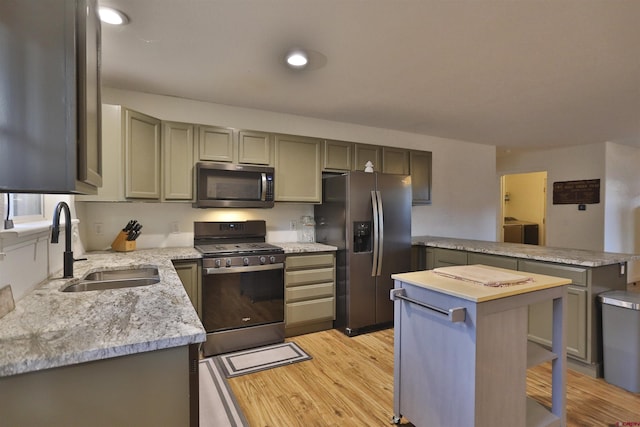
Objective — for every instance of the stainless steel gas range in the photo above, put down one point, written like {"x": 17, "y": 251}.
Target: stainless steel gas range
{"x": 242, "y": 286}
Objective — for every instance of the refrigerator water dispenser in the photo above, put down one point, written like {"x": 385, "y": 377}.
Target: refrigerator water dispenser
{"x": 362, "y": 236}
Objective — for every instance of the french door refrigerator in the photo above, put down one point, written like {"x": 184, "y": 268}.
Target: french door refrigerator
{"x": 367, "y": 216}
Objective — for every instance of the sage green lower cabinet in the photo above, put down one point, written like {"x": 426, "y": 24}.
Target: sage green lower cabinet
{"x": 448, "y": 257}
{"x": 584, "y": 327}
{"x": 153, "y": 388}
{"x": 309, "y": 285}
{"x": 190, "y": 273}
{"x": 492, "y": 260}
{"x": 298, "y": 176}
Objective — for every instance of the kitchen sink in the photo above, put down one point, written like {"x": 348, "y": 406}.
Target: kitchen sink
{"x": 115, "y": 279}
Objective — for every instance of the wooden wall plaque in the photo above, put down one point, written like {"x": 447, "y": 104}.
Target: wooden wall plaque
{"x": 576, "y": 192}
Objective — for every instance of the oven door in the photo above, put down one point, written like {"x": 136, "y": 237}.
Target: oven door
{"x": 240, "y": 297}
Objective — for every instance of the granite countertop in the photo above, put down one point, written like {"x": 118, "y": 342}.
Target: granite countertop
{"x": 298, "y": 247}
{"x": 518, "y": 250}
{"x": 49, "y": 328}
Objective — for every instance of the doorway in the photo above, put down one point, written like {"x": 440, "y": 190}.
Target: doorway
{"x": 524, "y": 207}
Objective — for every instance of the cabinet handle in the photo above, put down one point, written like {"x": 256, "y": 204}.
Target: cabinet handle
{"x": 455, "y": 315}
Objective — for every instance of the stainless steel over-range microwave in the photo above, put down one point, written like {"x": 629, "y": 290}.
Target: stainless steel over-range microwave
{"x": 222, "y": 185}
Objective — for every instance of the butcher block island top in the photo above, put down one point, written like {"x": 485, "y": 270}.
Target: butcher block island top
{"x": 475, "y": 291}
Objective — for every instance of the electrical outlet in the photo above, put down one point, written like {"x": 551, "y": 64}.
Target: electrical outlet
{"x": 175, "y": 227}
{"x": 97, "y": 228}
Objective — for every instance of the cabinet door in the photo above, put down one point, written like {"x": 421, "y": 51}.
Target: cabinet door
{"x": 395, "y": 160}
{"x": 215, "y": 144}
{"x": 190, "y": 275}
{"x": 365, "y": 153}
{"x": 492, "y": 260}
{"x": 89, "y": 117}
{"x": 177, "y": 168}
{"x": 142, "y": 156}
{"x": 420, "y": 170}
{"x": 448, "y": 257}
{"x": 297, "y": 169}
{"x": 541, "y": 320}
{"x": 112, "y": 189}
{"x": 254, "y": 147}
{"x": 337, "y": 155}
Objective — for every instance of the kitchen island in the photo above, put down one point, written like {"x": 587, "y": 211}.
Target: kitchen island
{"x": 111, "y": 357}
{"x": 590, "y": 272}
{"x": 461, "y": 350}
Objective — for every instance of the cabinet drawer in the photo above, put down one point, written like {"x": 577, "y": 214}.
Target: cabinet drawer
{"x": 577, "y": 275}
{"x": 442, "y": 257}
{"x": 317, "y": 290}
{"x": 493, "y": 260}
{"x": 309, "y": 261}
{"x": 300, "y": 277}
{"x": 310, "y": 311}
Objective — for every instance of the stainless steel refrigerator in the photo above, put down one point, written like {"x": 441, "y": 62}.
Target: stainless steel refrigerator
{"x": 368, "y": 217}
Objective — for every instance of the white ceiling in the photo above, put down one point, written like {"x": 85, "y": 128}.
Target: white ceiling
{"x": 515, "y": 74}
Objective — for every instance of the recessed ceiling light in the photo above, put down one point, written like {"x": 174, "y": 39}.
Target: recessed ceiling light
{"x": 112, "y": 16}
{"x": 297, "y": 59}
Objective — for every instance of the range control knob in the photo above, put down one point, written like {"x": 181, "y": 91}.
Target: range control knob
{"x": 228, "y": 262}
{"x": 272, "y": 259}
{"x": 262, "y": 260}
{"x": 245, "y": 261}
{"x": 218, "y": 263}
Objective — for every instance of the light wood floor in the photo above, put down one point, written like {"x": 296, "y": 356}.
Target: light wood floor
{"x": 349, "y": 382}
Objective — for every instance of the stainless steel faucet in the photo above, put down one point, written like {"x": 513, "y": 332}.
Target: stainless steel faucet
{"x": 55, "y": 232}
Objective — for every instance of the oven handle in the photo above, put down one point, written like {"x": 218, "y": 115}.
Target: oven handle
{"x": 242, "y": 269}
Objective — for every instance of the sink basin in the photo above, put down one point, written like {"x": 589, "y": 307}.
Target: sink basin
{"x": 125, "y": 273}
{"x": 115, "y": 279}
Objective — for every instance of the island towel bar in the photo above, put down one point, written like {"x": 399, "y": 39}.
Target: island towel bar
{"x": 455, "y": 315}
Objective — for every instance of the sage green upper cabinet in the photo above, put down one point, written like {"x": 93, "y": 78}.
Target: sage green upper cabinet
{"x": 337, "y": 155}
{"x": 365, "y": 153}
{"x": 254, "y": 147}
{"x": 297, "y": 169}
{"x": 112, "y": 155}
{"x": 142, "y": 156}
{"x": 420, "y": 170}
{"x": 395, "y": 160}
{"x": 178, "y": 161}
{"x": 50, "y": 97}
{"x": 215, "y": 144}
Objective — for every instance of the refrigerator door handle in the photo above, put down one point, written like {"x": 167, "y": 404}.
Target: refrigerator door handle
{"x": 374, "y": 205}
{"x": 381, "y": 232}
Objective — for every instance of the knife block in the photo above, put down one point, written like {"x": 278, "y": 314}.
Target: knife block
{"x": 121, "y": 244}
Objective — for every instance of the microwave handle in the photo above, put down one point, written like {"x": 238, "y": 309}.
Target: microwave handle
{"x": 263, "y": 193}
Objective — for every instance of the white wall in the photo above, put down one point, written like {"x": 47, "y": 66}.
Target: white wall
{"x": 622, "y": 203}
{"x": 613, "y": 225}
{"x": 566, "y": 226}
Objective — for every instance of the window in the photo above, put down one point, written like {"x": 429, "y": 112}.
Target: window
{"x": 21, "y": 207}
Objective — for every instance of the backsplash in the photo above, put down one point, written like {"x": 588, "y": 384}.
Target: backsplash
{"x": 171, "y": 224}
